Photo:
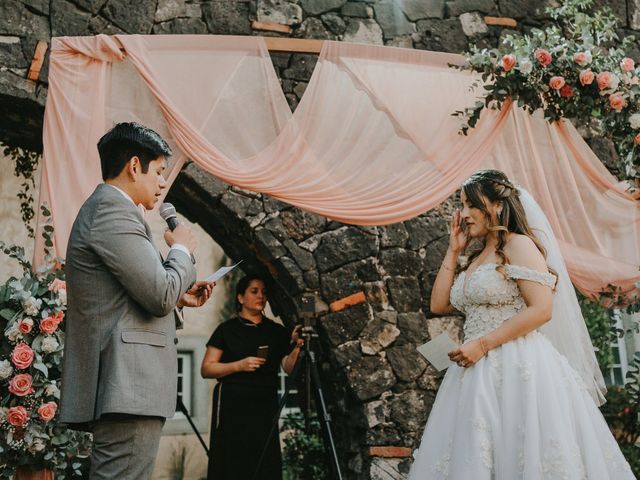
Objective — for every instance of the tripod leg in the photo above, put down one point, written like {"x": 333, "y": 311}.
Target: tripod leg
{"x": 324, "y": 416}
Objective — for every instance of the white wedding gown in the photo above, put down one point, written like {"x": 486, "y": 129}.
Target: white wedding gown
{"x": 521, "y": 412}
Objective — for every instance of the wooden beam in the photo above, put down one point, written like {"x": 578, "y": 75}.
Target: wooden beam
{"x": 38, "y": 60}
{"x": 271, "y": 27}
{"x": 293, "y": 45}
{"x": 284, "y": 44}
{"x": 501, "y": 21}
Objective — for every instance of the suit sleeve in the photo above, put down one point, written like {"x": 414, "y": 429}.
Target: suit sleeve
{"x": 119, "y": 238}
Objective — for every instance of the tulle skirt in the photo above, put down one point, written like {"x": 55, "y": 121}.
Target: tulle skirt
{"x": 521, "y": 412}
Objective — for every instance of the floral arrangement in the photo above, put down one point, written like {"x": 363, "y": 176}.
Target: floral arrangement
{"x": 576, "y": 69}
{"x": 32, "y": 310}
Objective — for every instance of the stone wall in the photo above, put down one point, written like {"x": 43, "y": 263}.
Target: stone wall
{"x": 371, "y": 285}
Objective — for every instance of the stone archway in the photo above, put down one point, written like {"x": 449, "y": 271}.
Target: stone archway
{"x": 371, "y": 286}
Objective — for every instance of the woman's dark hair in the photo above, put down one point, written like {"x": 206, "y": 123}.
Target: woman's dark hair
{"x": 496, "y": 187}
{"x": 243, "y": 284}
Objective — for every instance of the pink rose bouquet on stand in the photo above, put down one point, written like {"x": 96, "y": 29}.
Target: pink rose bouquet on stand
{"x": 32, "y": 310}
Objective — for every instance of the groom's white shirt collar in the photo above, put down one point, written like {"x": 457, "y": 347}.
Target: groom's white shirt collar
{"x": 125, "y": 194}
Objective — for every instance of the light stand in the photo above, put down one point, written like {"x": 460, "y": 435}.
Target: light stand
{"x": 182, "y": 408}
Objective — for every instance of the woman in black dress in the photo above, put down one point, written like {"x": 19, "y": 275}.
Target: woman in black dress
{"x": 245, "y": 400}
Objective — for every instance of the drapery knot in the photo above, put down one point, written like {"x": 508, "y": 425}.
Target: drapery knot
{"x": 100, "y": 47}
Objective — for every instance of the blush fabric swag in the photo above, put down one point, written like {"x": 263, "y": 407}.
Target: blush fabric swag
{"x": 372, "y": 141}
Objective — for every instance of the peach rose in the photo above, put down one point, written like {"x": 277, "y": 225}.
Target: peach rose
{"x": 637, "y": 139}
{"x": 49, "y": 325}
{"x": 22, "y": 356}
{"x": 20, "y": 385}
{"x": 25, "y": 326}
{"x": 582, "y": 58}
{"x": 508, "y": 62}
{"x": 617, "y": 102}
{"x": 627, "y": 64}
{"x": 47, "y": 411}
{"x": 57, "y": 284}
{"x": 607, "y": 80}
{"x": 544, "y": 58}
{"x": 587, "y": 77}
{"x": 556, "y": 82}
{"x": 17, "y": 416}
{"x": 566, "y": 91}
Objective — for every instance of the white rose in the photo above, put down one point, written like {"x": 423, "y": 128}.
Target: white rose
{"x": 37, "y": 445}
{"x": 49, "y": 344}
{"x": 525, "y": 66}
{"x": 634, "y": 121}
{"x": 31, "y": 306}
{"x": 3, "y": 414}
{"x": 13, "y": 333}
{"x": 5, "y": 369}
{"x": 62, "y": 297}
{"x": 51, "y": 390}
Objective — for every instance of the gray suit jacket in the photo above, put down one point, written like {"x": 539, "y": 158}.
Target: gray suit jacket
{"x": 120, "y": 351}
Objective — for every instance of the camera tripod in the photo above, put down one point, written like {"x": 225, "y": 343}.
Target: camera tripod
{"x": 307, "y": 360}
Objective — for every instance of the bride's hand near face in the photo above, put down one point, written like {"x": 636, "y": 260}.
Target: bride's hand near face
{"x": 458, "y": 237}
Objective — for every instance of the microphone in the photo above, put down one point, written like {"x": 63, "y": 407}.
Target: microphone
{"x": 169, "y": 215}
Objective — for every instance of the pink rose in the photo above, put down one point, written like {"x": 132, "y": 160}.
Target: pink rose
{"x": 566, "y": 91}
{"x": 25, "y": 326}
{"x": 47, "y": 411}
{"x": 556, "y": 82}
{"x": 17, "y": 416}
{"x": 637, "y": 139}
{"x": 607, "y": 80}
{"x": 22, "y": 356}
{"x": 544, "y": 58}
{"x": 20, "y": 385}
{"x": 582, "y": 58}
{"x": 57, "y": 284}
{"x": 617, "y": 101}
{"x": 49, "y": 325}
{"x": 627, "y": 64}
{"x": 586, "y": 77}
{"x": 508, "y": 62}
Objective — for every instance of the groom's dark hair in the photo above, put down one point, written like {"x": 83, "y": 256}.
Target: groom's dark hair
{"x": 126, "y": 140}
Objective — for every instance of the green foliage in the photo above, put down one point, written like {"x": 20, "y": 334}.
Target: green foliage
{"x": 304, "y": 453}
{"x": 542, "y": 71}
{"x": 25, "y": 166}
{"x": 601, "y": 324}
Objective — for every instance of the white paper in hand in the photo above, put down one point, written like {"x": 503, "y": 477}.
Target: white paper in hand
{"x": 436, "y": 351}
{"x": 218, "y": 274}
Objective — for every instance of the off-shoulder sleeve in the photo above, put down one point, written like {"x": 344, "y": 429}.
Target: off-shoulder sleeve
{"x": 517, "y": 272}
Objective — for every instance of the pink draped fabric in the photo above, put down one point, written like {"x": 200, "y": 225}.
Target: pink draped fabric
{"x": 372, "y": 141}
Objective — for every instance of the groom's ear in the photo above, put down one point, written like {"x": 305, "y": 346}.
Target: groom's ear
{"x": 133, "y": 167}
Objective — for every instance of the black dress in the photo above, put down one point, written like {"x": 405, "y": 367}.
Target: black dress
{"x": 245, "y": 403}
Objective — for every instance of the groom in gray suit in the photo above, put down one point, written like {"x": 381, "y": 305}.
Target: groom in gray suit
{"x": 119, "y": 378}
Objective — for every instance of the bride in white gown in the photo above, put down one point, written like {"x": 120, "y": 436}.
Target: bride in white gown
{"x": 521, "y": 400}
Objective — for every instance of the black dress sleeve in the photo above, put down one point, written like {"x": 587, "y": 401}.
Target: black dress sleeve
{"x": 217, "y": 339}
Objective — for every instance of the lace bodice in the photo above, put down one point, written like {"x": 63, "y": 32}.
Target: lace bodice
{"x": 487, "y": 298}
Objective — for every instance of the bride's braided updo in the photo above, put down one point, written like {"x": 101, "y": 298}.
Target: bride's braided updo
{"x": 494, "y": 186}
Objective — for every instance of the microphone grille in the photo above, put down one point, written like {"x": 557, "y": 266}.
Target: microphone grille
{"x": 167, "y": 210}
